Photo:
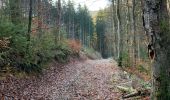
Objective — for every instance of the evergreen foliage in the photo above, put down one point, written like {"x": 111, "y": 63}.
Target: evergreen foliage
{"x": 30, "y": 55}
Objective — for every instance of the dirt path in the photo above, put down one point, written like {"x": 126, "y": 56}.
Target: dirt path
{"x": 88, "y": 80}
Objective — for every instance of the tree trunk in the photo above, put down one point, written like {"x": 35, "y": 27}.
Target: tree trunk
{"x": 118, "y": 29}
{"x": 114, "y": 30}
{"x": 157, "y": 28}
{"x": 128, "y": 38}
{"x": 30, "y": 20}
{"x": 29, "y": 25}
{"x": 39, "y": 18}
{"x": 58, "y": 19}
{"x": 134, "y": 34}
{"x": 119, "y": 34}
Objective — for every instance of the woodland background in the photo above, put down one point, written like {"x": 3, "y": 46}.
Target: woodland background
{"x": 35, "y": 32}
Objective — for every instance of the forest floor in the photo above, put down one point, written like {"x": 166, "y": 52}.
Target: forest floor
{"x": 77, "y": 80}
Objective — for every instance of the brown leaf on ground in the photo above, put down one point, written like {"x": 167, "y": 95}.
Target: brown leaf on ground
{"x": 78, "y": 80}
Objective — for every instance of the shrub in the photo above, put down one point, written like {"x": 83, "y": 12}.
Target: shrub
{"x": 62, "y": 52}
{"x": 125, "y": 59}
{"x": 42, "y": 47}
{"x": 16, "y": 55}
{"x": 15, "y": 36}
{"x": 75, "y": 46}
{"x": 13, "y": 49}
{"x": 141, "y": 68}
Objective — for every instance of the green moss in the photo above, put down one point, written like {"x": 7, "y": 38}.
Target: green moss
{"x": 164, "y": 26}
{"x": 164, "y": 92}
{"x": 157, "y": 94}
{"x": 165, "y": 31}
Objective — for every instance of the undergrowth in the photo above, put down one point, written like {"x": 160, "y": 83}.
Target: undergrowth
{"x": 91, "y": 53}
{"x": 14, "y": 56}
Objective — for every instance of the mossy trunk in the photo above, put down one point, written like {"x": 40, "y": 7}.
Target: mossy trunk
{"x": 157, "y": 28}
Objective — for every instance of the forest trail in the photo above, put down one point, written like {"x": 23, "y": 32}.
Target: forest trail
{"x": 89, "y": 80}
{"x": 78, "y": 80}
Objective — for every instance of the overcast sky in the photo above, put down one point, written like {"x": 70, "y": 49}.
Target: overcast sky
{"x": 93, "y": 5}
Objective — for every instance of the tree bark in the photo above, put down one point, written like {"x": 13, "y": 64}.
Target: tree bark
{"x": 58, "y": 19}
{"x": 30, "y": 20}
{"x": 157, "y": 28}
{"x": 119, "y": 34}
{"x": 118, "y": 29}
{"x": 29, "y": 25}
{"x": 134, "y": 34}
{"x": 114, "y": 30}
{"x": 39, "y": 18}
{"x": 128, "y": 38}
